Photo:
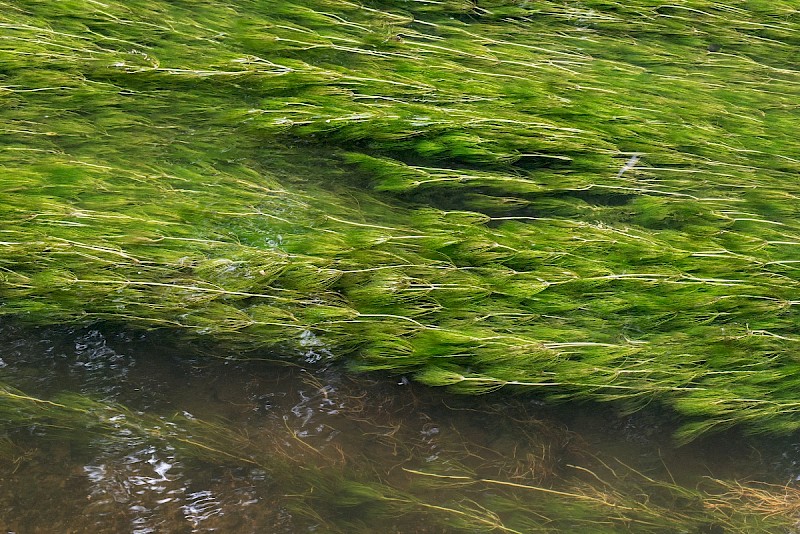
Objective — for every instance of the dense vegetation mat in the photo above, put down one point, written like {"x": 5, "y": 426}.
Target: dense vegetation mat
{"x": 589, "y": 201}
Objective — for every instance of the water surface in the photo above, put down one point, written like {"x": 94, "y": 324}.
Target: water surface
{"x": 313, "y": 422}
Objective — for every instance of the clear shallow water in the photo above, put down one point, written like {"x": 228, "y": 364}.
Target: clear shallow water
{"x": 377, "y": 429}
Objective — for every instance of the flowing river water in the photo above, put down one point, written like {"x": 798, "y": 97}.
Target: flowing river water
{"x": 316, "y": 415}
{"x": 586, "y": 214}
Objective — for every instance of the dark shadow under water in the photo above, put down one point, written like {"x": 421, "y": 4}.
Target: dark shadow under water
{"x": 320, "y": 416}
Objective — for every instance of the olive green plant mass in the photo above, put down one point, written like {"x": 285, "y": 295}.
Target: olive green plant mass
{"x": 578, "y": 201}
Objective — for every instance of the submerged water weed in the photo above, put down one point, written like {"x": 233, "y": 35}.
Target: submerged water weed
{"x": 589, "y": 202}
{"x": 548, "y": 484}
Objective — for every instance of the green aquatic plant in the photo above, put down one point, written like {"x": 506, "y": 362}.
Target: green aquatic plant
{"x": 584, "y": 202}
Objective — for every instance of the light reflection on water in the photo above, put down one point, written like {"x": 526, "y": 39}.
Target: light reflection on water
{"x": 316, "y": 415}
